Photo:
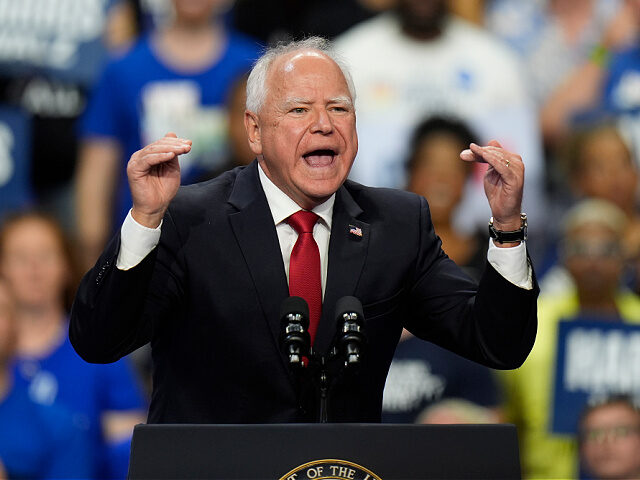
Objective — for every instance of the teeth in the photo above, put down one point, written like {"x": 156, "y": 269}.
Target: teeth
{"x": 319, "y": 160}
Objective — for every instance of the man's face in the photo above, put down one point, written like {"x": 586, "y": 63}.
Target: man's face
{"x": 611, "y": 442}
{"x": 305, "y": 133}
{"x": 594, "y": 259}
{"x": 439, "y": 174}
{"x": 608, "y": 171}
{"x": 197, "y": 10}
{"x": 422, "y": 18}
{"x": 33, "y": 263}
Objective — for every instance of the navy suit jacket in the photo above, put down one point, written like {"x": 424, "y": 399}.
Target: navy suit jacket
{"x": 208, "y": 299}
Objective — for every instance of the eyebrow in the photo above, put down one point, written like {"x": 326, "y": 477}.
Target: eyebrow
{"x": 297, "y": 100}
{"x": 342, "y": 99}
{"x": 306, "y": 101}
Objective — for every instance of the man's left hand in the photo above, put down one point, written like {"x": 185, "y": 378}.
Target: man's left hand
{"x": 503, "y": 182}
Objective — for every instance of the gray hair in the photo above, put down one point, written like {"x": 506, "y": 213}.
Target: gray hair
{"x": 257, "y": 82}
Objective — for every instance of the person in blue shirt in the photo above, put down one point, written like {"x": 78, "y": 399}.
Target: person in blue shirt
{"x": 175, "y": 78}
{"x": 104, "y": 401}
{"x": 36, "y": 441}
{"x": 49, "y": 60}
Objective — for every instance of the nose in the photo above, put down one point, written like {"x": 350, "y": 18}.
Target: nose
{"x": 321, "y": 122}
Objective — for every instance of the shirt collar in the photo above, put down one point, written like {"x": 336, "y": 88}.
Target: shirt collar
{"x": 282, "y": 206}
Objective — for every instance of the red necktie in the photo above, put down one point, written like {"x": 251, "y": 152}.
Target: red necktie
{"x": 304, "y": 267}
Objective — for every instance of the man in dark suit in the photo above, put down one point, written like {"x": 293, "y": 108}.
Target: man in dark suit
{"x": 201, "y": 272}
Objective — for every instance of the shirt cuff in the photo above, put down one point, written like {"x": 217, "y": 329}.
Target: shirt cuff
{"x": 512, "y": 264}
{"x": 136, "y": 242}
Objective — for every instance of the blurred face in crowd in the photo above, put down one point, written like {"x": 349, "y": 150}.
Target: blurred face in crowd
{"x": 7, "y": 325}
{"x": 439, "y": 175}
{"x": 607, "y": 170}
{"x": 594, "y": 257}
{"x": 240, "y": 151}
{"x": 194, "y": 11}
{"x": 33, "y": 262}
{"x": 305, "y": 133}
{"x": 422, "y": 18}
{"x": 610, "y": 442}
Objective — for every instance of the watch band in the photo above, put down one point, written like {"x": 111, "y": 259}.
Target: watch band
{"x": 513, "y": 236}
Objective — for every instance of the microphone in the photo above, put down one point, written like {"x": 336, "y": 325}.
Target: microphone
{"x": 295, "y": 339}
{"x": 350, "y": 331}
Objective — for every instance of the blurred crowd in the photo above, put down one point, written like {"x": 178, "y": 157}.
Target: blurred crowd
{"x": 85, "y": 83}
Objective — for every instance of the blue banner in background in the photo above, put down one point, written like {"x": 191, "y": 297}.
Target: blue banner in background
{"x": 62, "y": 39}
{"x": 15, "y": 139}
{"x": 594, "y": 360}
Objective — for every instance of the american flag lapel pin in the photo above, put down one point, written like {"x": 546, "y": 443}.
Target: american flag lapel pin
{"x": 357, "y": 231}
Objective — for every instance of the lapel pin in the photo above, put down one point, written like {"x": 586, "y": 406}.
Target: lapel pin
{"x": 353, "y": 230}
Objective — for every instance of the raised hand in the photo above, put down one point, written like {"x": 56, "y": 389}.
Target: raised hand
{"x": 503, "y": 182}
{"x": 154, "y": 178}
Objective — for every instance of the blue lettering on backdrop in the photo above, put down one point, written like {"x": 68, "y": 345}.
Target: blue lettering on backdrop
{"x": 594, "y": 359}
{"x": 59, "y": 38}
{"x": 15, "y": 132}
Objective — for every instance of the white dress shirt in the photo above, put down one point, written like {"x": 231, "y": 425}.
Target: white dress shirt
{"x": 282, "y": 207}
{"x": 137, "y": 241}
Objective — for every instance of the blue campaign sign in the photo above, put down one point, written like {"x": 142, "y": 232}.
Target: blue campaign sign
{"x": 62, "y": 39}
{"x": 594, "y": 359}
{"x": 15, "y": 159}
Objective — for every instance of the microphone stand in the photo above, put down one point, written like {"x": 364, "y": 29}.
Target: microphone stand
{"x": 346, "y": 346}
{"x": 324, "y": 391}
{"x": 324, "y": 380}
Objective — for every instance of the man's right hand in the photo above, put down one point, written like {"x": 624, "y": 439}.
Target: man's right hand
{"x": 154, "y": 178}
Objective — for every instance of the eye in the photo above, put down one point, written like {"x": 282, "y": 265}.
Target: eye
{"x": 297, "y": 110}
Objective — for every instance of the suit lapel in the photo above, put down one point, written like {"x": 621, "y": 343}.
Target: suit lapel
{"x": 347, "y": 253}
{"x": 255, "y": 232}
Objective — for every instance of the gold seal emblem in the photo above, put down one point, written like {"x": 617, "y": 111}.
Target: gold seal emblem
{"x": 330, "y": 469}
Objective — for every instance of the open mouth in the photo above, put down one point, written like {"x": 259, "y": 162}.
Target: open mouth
{"x": 320, "y": 158}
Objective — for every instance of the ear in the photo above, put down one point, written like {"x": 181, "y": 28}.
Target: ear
{"x": 252, "y": 125}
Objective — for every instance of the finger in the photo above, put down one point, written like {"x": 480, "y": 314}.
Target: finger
{"x": 157, "y": 153}
{"x": 172, "y": 141}
{"x": 140, "y": 168}
{"x": 495, "y": 157}
{"x": 494, "y": 147}
{"x": 468, "y": 156}
{"x": 153, "y": 159}
{"x": 172, "y": 137}
{"x": 174, "y": 146}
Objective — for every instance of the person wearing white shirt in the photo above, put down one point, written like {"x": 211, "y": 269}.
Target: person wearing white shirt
{"x": 201, "y": 271}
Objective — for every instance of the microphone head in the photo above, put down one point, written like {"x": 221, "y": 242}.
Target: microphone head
{"x": 348, "y": 305}
{"x": 350, "y": 337}
{"x": 294, "y": 337}
{"x": 295, "y": 305}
